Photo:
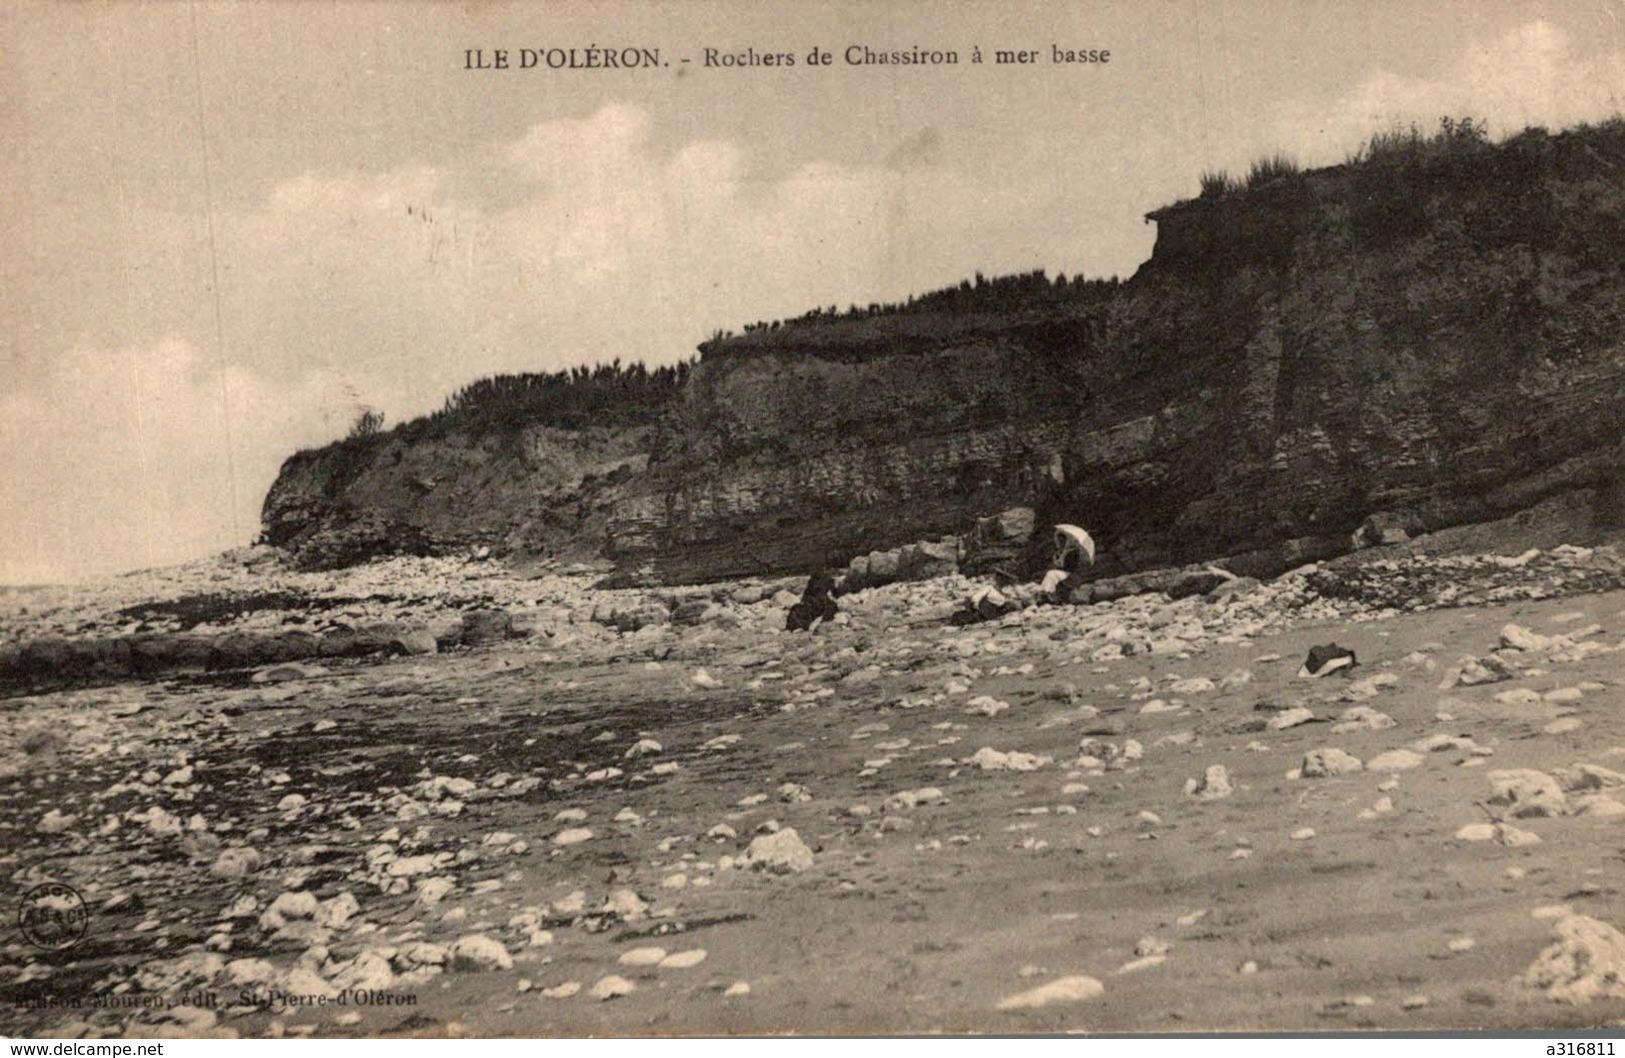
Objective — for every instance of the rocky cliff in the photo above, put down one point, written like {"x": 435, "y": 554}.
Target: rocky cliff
{"x": 516, "y": 465}
{"x": 539, "y": 490}
{"x": 1434, "y": 334}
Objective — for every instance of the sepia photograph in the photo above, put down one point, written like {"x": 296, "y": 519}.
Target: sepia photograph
{"x": 633, "y": 519}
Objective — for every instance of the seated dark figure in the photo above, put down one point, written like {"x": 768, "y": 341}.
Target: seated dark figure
{"x": 984, "y": 604}
{"x": 1072, "y": 565}
{"x": 817, "y": 604}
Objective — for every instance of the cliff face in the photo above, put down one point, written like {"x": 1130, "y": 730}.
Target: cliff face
{"x": 786, "y": 461}
{"x": 1438, "y": 335}
{"x": 538, "y": 490}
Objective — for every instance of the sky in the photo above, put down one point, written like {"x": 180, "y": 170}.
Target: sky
{"x": 230, "y": 229}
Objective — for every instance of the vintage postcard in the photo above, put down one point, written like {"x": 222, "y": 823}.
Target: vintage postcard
{"x": 731, "y": 518}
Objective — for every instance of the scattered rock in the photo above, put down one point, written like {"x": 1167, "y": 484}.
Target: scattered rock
{"x": 479, "y": 952}
{"x": 1215, "y": 783}
{"x": 235, "y": 863}
{"x": 683, "y": 960}
{"x": 1319, "y": 763}
{"x": 1500, "y": 833}
{"x": 1529, "y": 793}
{"x": 1065, "y": 990}
{"x": 1289, "y": 718}
{"x": 1152, "y": 946}
{"x": 984, "y": 705}
{"x": 1362, "y": 718}
{"x": 1143, "y": 963}
{"x": 642, "y": 957}
{"x": 1584, "y": 778}
{"x": 414, "y": 642}
{"x": 1369, "y": 687}
{"x": 1599, "y": 806}
{"x": 1517, "y": 637}
{"x": 779, "y": 853}
{"x": 989, "y": 759}
{"x": 433, "y": 890}
{"x": 1395, "y": 760}
{"x": 289, "y": 905}
{"x": 611, "y": 987}
{"x": 55, "y": 822}
{"x": 1476, "y": 671}
{"x": 337, "y": 912}
{"x": 1585, "y": 962}
{"x": 628, "y": 905}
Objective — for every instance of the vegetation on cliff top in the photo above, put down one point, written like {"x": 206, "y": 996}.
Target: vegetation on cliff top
{"x": 969, "y": 297}
{"x": 1396, "y": 172}
{"x": 606, "y": 395}
{"x": 1394, "y": 177}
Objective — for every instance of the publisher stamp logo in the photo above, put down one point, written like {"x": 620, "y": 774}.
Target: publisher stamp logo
{"x": 53, "y": 916}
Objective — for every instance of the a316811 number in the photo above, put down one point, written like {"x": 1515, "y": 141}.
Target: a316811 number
{"x": 1581, "y": 1049}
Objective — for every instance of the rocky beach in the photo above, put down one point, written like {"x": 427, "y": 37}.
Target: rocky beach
{"x": 653, "y": 811}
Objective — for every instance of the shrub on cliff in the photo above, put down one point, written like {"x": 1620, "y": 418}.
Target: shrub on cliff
{"x": 367, "y": 424}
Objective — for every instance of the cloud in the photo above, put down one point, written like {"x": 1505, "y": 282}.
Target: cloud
{"x": 597, "y": 151}
{"x": 144, "y": 456}
{"x": 1533, "y": 74}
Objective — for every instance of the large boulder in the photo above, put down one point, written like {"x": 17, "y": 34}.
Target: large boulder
{"x": 690, "y": 611}
{"x": 1585, "y": 962}
{"x": 1386, "y": 527}
{"x": 1187, "y": 582}
{"x": 883, "y": 567}
{"x": 1527, "y": 793}
{"x": 933, "y": 558}
{"x": 917, "y": 561}
{"x": 999, "y": 540}
{"x": 1320, "y": 763}
{"x": 247, "y": 650}
{"x": 485, "y": 627}
{"x": 356, "y": 642}
{"x": 655, "y": 614}
{"x": 54, "y": 661}
{"x": 782, "y": 852}
{"x": 414, "y": 641}
{"x": 159, "y": 653}
{"x": 1015, "y": 525}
